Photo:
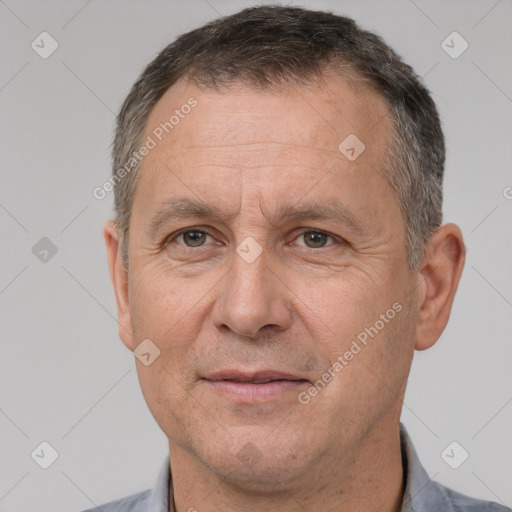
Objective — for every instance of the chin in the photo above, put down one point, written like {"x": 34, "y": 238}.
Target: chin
{"x": 266, "y": 476}
{"x": 259, "y": 463}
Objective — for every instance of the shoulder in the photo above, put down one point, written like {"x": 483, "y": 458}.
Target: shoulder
{"x": 457, "y": 502}
{"x": 133, "y": 503}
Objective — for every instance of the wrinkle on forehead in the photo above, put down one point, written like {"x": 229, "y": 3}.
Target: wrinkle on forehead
{"x": 252, "y": 156}
{"x": 313, "y": 116}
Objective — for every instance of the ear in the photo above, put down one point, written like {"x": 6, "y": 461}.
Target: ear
{"x": 119, "y": 276}
{"x": 440, "y": 272}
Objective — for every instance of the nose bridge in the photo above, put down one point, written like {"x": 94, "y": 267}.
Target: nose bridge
{"x": 251, "y": 296}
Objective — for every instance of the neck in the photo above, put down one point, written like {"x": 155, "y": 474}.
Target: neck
{"x": 369, "y": 478}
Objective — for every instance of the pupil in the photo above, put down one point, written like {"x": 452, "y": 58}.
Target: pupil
{"x": 319, "y": 238}
{"x": 194, "y": 237}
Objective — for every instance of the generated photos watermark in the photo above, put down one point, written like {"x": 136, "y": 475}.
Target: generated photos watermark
{"x": 343, "y": 360}
{"x": 157, "y": 135}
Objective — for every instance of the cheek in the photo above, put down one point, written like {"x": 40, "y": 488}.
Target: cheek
{"x": 365, "y": 335}
{"x": 165, "y": 397}
{"x": 364, "y": 379}
{"x": 338, "y": 310}
{"x": 162, "y": 307}
{"x": 170, "y": 314}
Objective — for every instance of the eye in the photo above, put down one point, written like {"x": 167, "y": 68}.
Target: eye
{"x": 196, "y": 238}
{"x": 190, "y": 238}
{"x": 315, "y": 239}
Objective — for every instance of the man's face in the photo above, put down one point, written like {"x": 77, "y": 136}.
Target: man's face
{"x": 221, "y": 312}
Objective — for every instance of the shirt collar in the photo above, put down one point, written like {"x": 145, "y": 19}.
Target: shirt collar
{"x": 418, "y": 482}
{"x": 417, "y": 496}
{"x": 159, "y": 500}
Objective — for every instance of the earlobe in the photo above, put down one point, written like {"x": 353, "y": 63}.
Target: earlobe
{"x": 119, "y": 277}
{"x": 440, "y": 273}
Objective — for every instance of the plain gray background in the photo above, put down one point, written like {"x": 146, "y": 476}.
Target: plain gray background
{"x": 66, "y": 378}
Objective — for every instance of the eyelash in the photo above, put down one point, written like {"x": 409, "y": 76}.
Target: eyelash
{"x": 173, "y": 237}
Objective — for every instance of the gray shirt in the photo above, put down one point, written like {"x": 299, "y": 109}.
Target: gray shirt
{"x": 421, "y": 493}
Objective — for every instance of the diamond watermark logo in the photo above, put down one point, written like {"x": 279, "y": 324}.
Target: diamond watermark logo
{"x": 146, "y": 352}
{"x": 44, "y": 250}
{"x": 249, "y": 250}
{"x": 44, "y": 45}
{"x": 249, "y": 454}
{"x": 351, "y": 147}
{"x": 454, "y": 455}
{"x": 454, "y": 45}
{"x": 44, "y": 455}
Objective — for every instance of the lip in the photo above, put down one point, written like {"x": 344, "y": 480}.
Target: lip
{"x": 245, "y": 386}
{"x": 250, "y": 376}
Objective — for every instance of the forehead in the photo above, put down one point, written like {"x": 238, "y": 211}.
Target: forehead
{"x": 318, "y": 116}
{"x": 278, "y": 141}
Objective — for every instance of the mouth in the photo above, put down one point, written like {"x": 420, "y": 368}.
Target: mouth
{"x": 255, "y": 386}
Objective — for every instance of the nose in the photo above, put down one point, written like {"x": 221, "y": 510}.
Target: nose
{"x": 252, "y": 299}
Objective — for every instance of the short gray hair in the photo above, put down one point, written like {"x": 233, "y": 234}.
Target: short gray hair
{"x": 262, "y": 47}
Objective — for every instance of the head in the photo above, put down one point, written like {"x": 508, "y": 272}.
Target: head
{"x": 284, "y": 216}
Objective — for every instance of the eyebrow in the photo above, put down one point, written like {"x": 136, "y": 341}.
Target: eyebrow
{"x": 184, "y": 208}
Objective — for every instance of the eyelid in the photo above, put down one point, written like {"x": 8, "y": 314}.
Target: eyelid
{"x": 337, "y": 239}
{"x": 319, "y": 231}
{"x": 173, "y": 236}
